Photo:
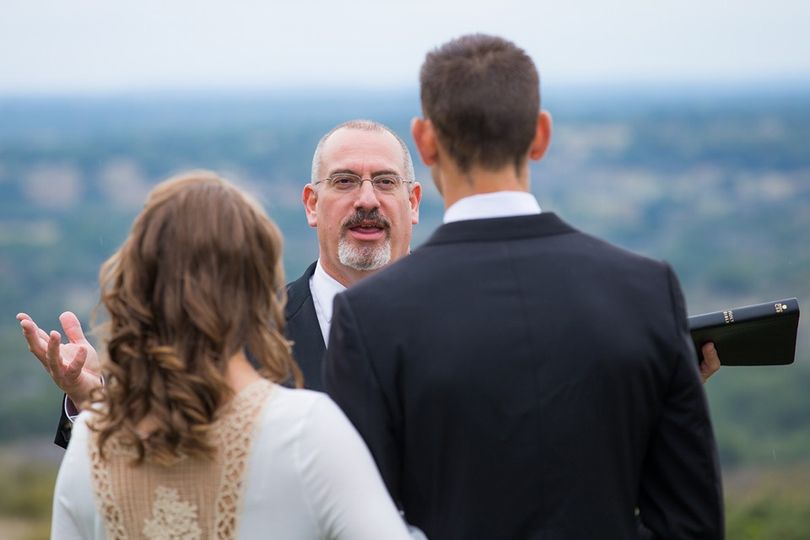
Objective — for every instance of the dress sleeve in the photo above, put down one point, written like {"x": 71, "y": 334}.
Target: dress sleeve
{"x": 73, "y": 506}
{"x": 344, "y": 488}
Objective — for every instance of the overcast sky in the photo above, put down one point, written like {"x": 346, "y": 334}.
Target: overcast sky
{"x": 69, "y": 46}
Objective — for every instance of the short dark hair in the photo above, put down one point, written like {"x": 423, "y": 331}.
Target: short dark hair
{"x": 482, "y": 95}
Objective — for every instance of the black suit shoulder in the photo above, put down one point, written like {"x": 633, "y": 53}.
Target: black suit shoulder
{"x": 304, "y": 330}
{"x": 542, "y": 241}
{"x": 298, "y": 293}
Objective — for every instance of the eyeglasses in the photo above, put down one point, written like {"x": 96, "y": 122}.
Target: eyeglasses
{"x": 346, "y": 182}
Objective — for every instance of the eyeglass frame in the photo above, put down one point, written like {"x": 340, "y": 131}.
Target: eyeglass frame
{"x": 356, "y": 185}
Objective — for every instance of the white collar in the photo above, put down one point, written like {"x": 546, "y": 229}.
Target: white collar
{"x": 324, "y": 288}
{"x": 492, "y": 205}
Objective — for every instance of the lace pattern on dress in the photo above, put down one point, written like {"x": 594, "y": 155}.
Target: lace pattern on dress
{"x": 110, "y": 511}
{"x": 171, "y": 518}
{"x": 234, "y": 440}
{"x": 190, "y": 499}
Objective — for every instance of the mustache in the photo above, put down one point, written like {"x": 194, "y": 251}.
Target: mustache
{"x": 367, "y": 218}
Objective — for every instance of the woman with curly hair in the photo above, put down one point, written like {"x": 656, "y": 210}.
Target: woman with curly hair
{"x": 189, "y": 438}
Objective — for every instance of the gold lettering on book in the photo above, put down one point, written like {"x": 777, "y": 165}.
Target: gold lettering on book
{"x": 728, "y": 316}
{"x": 780, "y": 307}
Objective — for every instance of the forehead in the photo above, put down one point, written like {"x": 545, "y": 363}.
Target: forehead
{"x": 362, "y": 152}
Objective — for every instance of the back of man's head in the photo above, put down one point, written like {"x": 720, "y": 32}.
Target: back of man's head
{"x": 482, "y": 95}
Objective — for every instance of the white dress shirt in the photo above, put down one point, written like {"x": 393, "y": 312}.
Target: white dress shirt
{"x": 492, "y": 205}
{"x": 324, "y": 288}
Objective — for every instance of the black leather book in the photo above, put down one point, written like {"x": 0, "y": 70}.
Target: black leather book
{"x": 758, "y": 335}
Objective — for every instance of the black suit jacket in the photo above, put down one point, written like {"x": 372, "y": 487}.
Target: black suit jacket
{"x": 302, "y": 329}
{"x": 517, "y": 379}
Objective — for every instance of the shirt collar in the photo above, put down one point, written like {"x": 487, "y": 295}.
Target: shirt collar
{"x": 492, "y": 205}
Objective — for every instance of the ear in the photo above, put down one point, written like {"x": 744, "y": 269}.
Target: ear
{"x": 424, "y": 136}
{"x": 415, "y": 198}
{"x": 542, "y": 136}
{"x": 310, "y": 199}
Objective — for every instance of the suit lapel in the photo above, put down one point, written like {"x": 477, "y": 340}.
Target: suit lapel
{"x": 304, "y": 331}
{"x": 298, "y": 293}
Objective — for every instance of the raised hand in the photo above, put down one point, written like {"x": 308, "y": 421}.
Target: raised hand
{"x": 73, "y": 366}
{"x": 710, "y": 363}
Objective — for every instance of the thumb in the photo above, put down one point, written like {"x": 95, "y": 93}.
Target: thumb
{"x": 72, "y": 327}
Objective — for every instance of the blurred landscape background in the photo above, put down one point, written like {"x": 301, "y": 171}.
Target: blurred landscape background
{"x": 682, "y": 131}
{"x": 717, "y": 182}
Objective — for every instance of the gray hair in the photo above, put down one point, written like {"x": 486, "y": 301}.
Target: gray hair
{"x": 364, "y": 125}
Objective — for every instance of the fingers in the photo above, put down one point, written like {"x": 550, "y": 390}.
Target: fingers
{"x": 711, "y": 361}
{"x": 42, "y": 334}
{"x": 65, "y": 363}
{"x": 36, "y": 338}
{"x": 22, "y": 317}
{"x": 75, "y": 368}
{"x": 72, "y": 327}
{"x": 53, "y": 358}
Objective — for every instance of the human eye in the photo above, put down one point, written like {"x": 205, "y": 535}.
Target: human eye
{"x": 343, "y": 181}
{"x": 386, "y": 182}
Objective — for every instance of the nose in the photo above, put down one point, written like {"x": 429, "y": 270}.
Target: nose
{"x": 366, "y": 196}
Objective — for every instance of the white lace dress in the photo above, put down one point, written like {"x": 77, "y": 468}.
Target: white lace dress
{"x": 290, "y": 466}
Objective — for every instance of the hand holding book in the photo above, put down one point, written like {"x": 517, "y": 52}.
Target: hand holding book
{"x": 756, "y": 335}
{"x": 710, "y": 361}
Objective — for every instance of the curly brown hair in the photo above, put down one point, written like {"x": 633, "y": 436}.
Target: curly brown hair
{"x": 198, "y": 280}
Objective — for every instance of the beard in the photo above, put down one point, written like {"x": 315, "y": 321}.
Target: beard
{"x": 365, "y": 257}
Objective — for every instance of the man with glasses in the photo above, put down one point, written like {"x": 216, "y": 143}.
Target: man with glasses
{"x": 363, "y": 201}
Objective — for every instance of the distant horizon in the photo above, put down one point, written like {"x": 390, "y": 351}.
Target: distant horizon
{"x": 788, "y": 84}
